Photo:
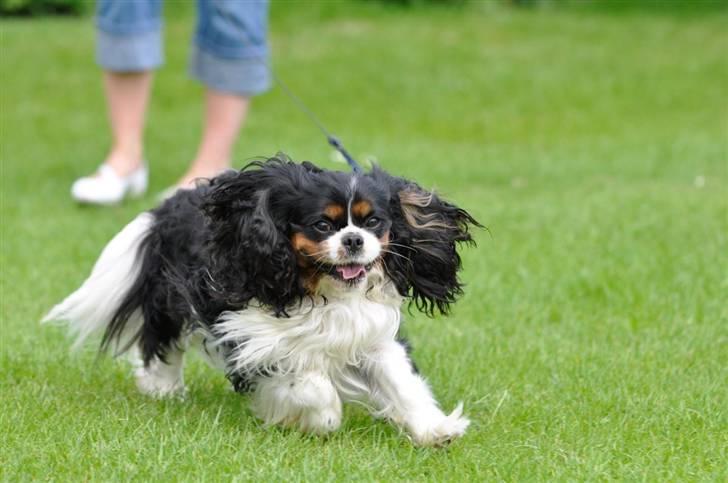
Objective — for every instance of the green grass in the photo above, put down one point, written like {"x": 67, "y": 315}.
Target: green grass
{"x": 591, "y": 342}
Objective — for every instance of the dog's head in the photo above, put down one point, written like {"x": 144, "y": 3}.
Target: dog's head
{"x": 281, "y": 231}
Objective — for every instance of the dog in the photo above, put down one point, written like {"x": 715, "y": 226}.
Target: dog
{"x": 290, "y": 279}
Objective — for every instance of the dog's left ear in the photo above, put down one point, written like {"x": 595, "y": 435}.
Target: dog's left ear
{"x": 424, "y": 236}
{"x": 270, "y": 260}
{"x": 250, "y": 254}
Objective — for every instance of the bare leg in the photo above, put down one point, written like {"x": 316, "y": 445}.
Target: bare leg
{"x": 404, "y": 397}
{"x": 224, "y": 115}
{"x": 127, "y": 97}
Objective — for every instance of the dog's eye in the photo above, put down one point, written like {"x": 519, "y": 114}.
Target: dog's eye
{"x": 323, "y": 226}
{"x": 372, "y": 222}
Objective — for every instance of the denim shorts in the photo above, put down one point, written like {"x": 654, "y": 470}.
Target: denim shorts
{"x": 229, "y": 53}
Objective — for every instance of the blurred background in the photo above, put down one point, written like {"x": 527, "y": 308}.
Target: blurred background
{"x": 525, "y": 90}
{"x": 589, "y": 136}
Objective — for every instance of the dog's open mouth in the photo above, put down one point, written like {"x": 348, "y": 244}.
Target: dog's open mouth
{"x": 350, "y": 273}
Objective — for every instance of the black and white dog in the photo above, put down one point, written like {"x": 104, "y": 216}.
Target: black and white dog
{"x": 289, "y": 278}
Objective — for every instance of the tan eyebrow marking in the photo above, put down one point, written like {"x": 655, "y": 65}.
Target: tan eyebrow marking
{"x": 361, "y": 209}
{"x": 334, "y": 211}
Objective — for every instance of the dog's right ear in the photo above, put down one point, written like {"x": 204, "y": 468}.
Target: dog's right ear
{"x": 249, "y": 253}
{"x": 422, "y": 259}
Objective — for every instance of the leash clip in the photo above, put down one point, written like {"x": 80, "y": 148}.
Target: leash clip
{"x": 334, "y": 141}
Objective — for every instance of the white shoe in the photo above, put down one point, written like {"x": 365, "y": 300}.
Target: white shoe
{"x": 108, "y": 188}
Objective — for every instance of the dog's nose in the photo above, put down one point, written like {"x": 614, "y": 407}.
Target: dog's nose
{"x": 353, "y": 242}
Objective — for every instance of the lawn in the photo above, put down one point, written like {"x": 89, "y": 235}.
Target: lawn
{"x": 592, "y": 341}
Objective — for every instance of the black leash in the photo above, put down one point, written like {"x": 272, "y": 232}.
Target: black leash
{"x": 333, "y": 140}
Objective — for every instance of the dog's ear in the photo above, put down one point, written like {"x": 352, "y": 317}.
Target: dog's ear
{"x": 424, "y": 236}
{"x": 250, "y": 255}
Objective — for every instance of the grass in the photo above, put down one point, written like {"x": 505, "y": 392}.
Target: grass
{"x": 591, "y": 342}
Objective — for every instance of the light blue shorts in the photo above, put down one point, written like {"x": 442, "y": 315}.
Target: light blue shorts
{"x": 230, "y": 51}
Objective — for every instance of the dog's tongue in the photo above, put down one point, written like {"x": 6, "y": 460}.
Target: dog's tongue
{"x": 349, "y": 272}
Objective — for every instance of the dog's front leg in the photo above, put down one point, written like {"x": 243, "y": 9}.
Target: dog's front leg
{"x": 305, "y": 401}
{"x": 404, "y": 397}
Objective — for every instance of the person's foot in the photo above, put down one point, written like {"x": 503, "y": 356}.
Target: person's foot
{"x": 122, "y": 163}
{"x": 107, "y": 187}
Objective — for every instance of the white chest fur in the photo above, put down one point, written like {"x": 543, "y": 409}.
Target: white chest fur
{"x": 322, "y": 334}
{"x": 332, "y": 351}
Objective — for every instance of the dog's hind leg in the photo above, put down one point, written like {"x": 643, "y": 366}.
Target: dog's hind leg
{"x": 160, "y": 348}
{"x": 162, "y": 339}
{"x": 160, "y": 378}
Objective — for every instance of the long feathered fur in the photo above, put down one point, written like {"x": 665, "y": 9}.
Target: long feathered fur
{"x": 95, "y": 304}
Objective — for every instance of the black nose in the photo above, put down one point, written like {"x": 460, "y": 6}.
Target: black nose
{"x": 353, "y": 242}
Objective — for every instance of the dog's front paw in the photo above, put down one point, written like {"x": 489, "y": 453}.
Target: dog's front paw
{"x": 156, "y": 386}
{"x": 320, "y": 421}
{"x": 437, "y": 429}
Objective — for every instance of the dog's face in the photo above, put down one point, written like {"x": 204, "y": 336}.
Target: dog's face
{"x": 341, "y": 231}
{"x": 286, "y": 230}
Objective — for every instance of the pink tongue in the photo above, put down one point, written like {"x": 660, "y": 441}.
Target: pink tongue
{"x": 350, "y": 271}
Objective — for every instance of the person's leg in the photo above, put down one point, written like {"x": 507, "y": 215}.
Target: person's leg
{"x": 127, "y": 96}
{"x": 128, "y": 48}
{"x": 230, "y": 58}
{"x": 224, "y": 115}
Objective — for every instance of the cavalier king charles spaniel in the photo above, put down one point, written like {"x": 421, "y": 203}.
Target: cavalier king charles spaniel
{"x": 291, "y": 280}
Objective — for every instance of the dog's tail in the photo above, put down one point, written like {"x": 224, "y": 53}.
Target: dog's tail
{"x": 102, "y": 303}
